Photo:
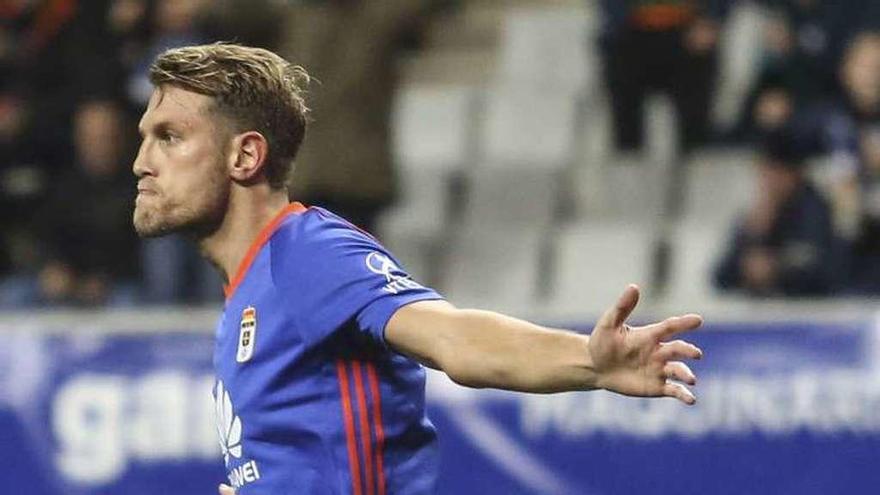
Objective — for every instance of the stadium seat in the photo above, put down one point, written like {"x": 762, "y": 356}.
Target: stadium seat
{"x": 606, "y": 184}
{"x": 431, "y": 145}
{"x": 512, "y": 196}
{"x": 527, "y": 127}
{"x": 720, "y": 184}
{"x": 432, "y": 126}
{"x": 697, "y": 246}
{"x": 496, "y": 268}
{"x": 527, "y": 146}
{"x": 547, "y": 48}
{"x": 631, "y": 190}
{"x": 594, "y": 261}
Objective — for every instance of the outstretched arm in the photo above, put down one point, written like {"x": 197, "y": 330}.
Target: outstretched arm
{"x": 485, "y": 349}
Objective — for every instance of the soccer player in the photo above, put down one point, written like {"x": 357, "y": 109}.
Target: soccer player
{"x": 319, "y": 388}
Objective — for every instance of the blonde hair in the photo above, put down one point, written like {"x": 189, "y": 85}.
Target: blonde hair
{"x": 254, "y": 88}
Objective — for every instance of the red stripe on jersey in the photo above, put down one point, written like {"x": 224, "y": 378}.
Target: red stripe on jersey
{"x": 258, "y": 243}
{"x": 350, "y": 439}
{"x": 377, "y": 420}
{"x": 366, "y": 435}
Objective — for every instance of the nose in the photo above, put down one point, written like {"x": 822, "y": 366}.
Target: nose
{"x": 140, "y": 166}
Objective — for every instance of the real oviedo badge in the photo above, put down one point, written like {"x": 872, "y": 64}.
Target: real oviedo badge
{"x": 247, "y": 335}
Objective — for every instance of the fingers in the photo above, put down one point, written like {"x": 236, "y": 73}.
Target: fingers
{"x": 617, "y": 314}
{"x": 680, "y": 372}
{"x": 678, "y": 350}
{"x": 677, "y": 324}
{"x": 676, "y": 370}
{"x": 680, "y": 392}
{"x": 226, "y": 490}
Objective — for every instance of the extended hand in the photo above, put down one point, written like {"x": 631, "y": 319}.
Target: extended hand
{"x": 640, "y": 361}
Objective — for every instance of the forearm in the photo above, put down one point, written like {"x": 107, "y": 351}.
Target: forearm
{"x": 484, "y": 349}
{"x": 487, "y": 349}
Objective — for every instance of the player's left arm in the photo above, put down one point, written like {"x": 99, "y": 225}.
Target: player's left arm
{"x": 486, "y": 349}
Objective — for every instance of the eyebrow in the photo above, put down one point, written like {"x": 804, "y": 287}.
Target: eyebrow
{"x": 160, "y": 126}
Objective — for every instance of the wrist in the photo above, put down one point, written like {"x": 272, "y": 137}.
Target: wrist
{"x": 591, "y": 379}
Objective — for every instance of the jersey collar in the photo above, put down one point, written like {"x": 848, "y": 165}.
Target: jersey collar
{"x": 261, "y": 239}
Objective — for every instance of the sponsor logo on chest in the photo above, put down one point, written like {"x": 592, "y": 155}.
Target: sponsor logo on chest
{"x": 230, "y": 428}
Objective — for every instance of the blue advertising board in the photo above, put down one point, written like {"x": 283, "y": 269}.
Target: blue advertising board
{"x": 784, "y": 407}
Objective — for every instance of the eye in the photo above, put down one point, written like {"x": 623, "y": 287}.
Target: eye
{"x": 168, "y": 137}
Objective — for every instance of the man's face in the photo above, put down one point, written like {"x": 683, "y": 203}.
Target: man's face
{"x": 181, "y": 166}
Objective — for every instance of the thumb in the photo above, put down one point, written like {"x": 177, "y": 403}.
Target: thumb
{"x": 616, "y": 315}
{"x": 226, "y": 490}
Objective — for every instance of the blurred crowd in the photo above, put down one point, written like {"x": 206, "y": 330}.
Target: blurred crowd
{"x": 815, "y": 105}
{"x": 73, "y": 82}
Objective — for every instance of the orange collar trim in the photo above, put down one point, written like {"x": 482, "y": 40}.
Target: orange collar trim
{"x": 261, "y": 239}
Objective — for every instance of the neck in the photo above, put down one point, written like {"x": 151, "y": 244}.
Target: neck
{"x": 250, "y": 209}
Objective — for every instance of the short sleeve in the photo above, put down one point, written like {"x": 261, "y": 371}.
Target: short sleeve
{"x": 343, "y": 275}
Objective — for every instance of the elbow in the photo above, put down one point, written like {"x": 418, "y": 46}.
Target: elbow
{"x": 481, "y": 372}
{"x": 465, "y": 381}
{"x": 471, "y": 375}
{"x": 459, "y": 373}
{"x": 469, "y": 380}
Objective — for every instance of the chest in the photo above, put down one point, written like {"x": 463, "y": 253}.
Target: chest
{"x": 255, "y": 326}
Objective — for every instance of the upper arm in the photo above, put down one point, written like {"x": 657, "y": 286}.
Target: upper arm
{"x": 345, "y": 279}
{"x": 422, "y": 330}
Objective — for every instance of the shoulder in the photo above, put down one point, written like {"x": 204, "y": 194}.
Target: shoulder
{"x": 319, "y": 228}
{"x": 317, "y": 240}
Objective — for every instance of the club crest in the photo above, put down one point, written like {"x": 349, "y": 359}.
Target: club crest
{"x": 247, "y": 335}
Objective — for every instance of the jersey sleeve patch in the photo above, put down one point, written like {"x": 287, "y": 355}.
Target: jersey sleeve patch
{"x": 396, "y": 280}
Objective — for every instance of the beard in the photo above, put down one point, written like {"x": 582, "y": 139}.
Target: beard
{"x": 199, "y": 216}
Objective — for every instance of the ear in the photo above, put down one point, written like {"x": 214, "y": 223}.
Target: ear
{"x": 247, "y": 156}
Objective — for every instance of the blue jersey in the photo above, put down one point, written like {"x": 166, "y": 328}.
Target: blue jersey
{"x": 309, "y": 398}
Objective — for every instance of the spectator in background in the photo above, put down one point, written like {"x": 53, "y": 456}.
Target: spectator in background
{"x": 785, "y": 245}
{"x": 805, "y": 41}
{"x": 664, "y": 45}
{"x": 865, "y": 278}
{"x": 50, "y": 55}
{"x": 350, "y": 47}
{"x": 170, "y": 23}
{"x": 852, "y": 139}
{"x": 36, "y": 52}
{"x": 28, "y": 34}
{"x": 87, "y": 246}
{"x": 129, "y": 26}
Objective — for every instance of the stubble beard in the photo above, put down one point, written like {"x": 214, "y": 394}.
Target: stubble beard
{"x": 199, "y": 219}
{"x": 150, "y": 221}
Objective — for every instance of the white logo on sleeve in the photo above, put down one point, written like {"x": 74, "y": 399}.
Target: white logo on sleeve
{"x": 396, "y": 280}
{"x": 229, "y": 427}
